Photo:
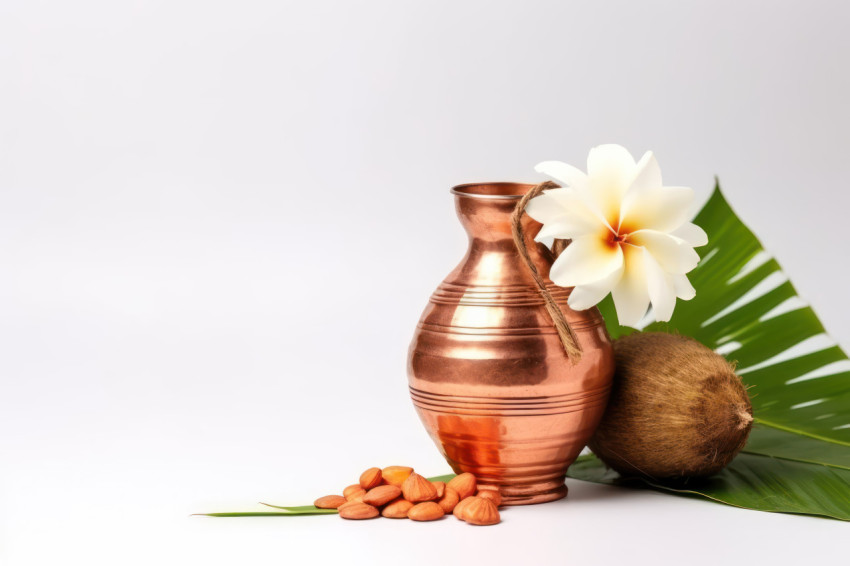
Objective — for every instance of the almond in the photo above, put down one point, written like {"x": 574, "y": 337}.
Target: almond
{"x": 370, "y": 478}
{"x": 350, "y": 490}
{"x": 329, "y": 501}
{"x": 347, "y": 504}
{"x": 358, "y": 497}
{"x": 460, "y": 508}
{"x": 441, "y": 488}
{"x": 464, "y": 485}
{"x": 395, "y": 475}
{"x": 427, "y": 511}
{"x": 358, "y": 511}
{"x": 481, "y": 511}
{"x": 491, "y": 494}
{"x": 449, "y": 499}
{"x": 416, "y": 488}
{"x": 381, "y": 495}
{"x": 397, "y": 509}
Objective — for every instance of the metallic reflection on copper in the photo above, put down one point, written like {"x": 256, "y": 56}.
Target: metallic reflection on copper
{"x": 487, "y": 372}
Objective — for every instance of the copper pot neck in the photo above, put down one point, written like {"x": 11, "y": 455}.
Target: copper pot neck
{"x": 485, "y": 211}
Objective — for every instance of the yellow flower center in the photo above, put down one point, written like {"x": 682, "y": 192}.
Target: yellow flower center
{"x": 618, "y": 236}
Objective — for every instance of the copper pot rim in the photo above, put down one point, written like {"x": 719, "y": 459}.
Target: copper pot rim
{"x": 497, "y": 190}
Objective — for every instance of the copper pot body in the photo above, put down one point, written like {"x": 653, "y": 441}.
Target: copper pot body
{"x": 488, "y": 374}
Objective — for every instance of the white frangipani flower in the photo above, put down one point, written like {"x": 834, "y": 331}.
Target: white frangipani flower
{"x": 630, "y": 234}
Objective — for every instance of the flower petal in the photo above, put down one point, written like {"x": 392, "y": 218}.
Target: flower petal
{"x": 610, "y": 171}
{"x": 692, "y": 234}
{"x": 588, "y": 259}
{"x": 563, "y": 215}
{"x": 671, "y": 253}
{"x": 647, "y": 172}
{"x": 661, "y": 292}
{"x": 561, "y": 229}
{"x": 580, "y": 201}
{"x": 611, "y": 165}
{"x": 544, "y": 208}
{"x": 585, "y": 296}
{"x": 631, "y": 295}
{"x": 566, "y": 175}
{"x": 656, "y": 208}
{"x": 684, "y": 289}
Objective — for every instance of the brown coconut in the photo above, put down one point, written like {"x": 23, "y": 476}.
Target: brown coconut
{"x": 677, "y": 410}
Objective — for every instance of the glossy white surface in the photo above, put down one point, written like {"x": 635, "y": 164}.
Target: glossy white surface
{"x": 219, "y": 223}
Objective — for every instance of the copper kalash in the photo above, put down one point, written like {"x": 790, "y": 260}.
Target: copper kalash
{"x": 488, "y": 373}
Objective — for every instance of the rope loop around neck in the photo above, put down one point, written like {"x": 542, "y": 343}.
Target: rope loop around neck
{"x": 566, "y": 334}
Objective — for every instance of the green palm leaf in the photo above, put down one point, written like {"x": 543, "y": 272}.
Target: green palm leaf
{"x": 284, "y": 512}
{"x": 798, "y": 457}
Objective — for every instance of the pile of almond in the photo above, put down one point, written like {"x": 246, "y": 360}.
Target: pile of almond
{"x": 397, "y": 492}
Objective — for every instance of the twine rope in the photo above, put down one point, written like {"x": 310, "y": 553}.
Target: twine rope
{"x": 566, "y": 334}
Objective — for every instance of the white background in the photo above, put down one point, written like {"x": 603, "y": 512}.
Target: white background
{"x": 219, "y": 223}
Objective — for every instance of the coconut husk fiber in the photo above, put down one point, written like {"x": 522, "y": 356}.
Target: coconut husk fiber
{"x": 677, "y": 410}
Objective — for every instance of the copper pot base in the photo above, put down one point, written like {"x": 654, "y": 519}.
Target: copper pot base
{"x": 529, "y": 494}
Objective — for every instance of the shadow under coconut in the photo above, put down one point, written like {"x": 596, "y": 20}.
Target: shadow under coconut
{"x": 589, "y": 469}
